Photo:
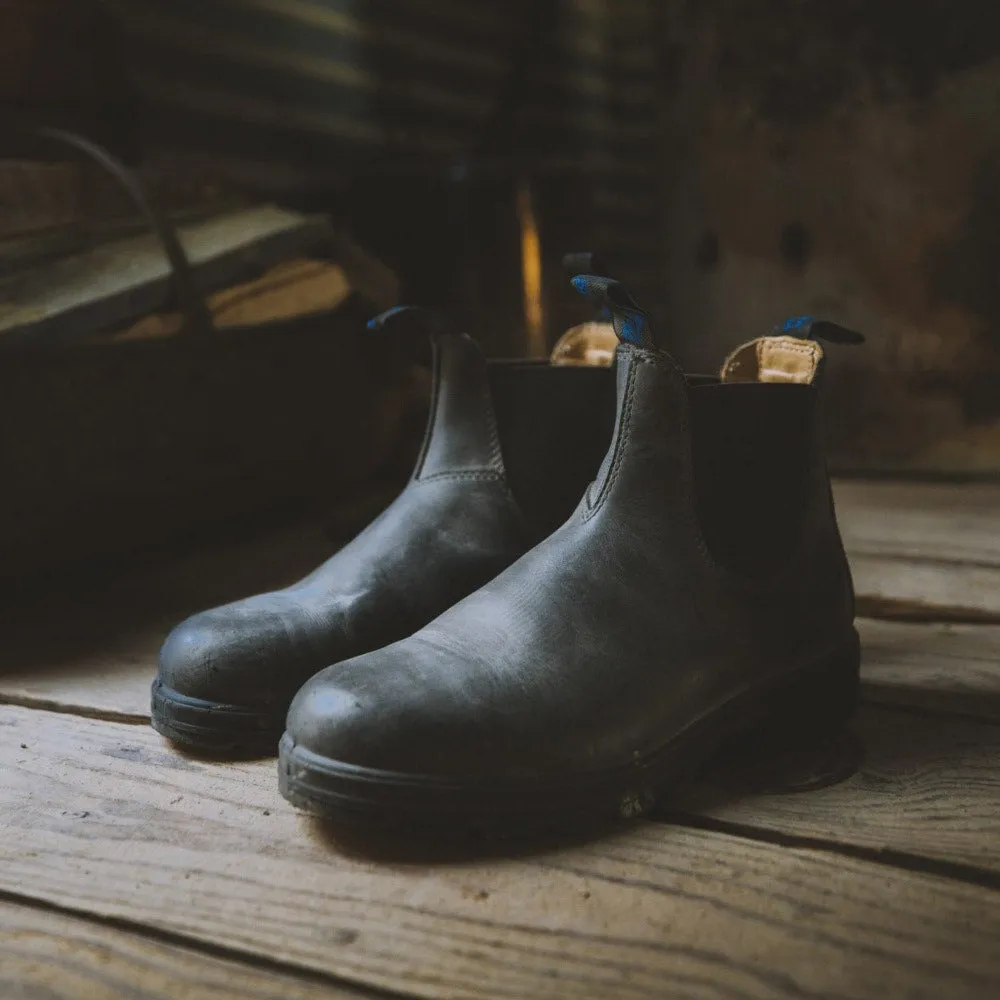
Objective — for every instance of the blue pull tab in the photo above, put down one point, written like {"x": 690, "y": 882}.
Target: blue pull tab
{"x": 631, "y": 323}
{"x": 590, "y": 263}
{"x": 423, "y": 320}
{"x": 808, "y": 328}
{"x": 405, "y": 334}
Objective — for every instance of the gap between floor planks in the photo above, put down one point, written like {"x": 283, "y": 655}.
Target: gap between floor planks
{"x": 103, "y": 818}
{"x": 923, "y": 551}
{"x": 60, "y": 956}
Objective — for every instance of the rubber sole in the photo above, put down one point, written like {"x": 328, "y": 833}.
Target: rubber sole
{"x": 813, "y": 701}
{"x": 212, "y": 727}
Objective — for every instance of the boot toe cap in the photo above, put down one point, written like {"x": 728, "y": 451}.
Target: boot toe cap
{"x": 402, "y": 709}
{"x": 358, "y": 713}
{"x": 332, "y": 721}
{"x": 252, "y": 653}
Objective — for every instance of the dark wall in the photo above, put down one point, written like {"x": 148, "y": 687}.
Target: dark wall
{"x": 63, "y": 62}
{"x": 844, "y": 159}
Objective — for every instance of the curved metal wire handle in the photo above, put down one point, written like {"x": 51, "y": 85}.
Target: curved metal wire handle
{"x": 190, "y": 303}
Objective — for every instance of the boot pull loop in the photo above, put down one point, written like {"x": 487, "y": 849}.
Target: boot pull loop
{"x": 418, "y": 319}
{"x": 408, "y": 334}
{"x": 630, "y": 322}
{"x": 184, "y": 286}
{"x": 808, "y": 328}
{"x": 592, "y": 342}
{"x": 791, "y": 353}
{"x": 590, "y": 263}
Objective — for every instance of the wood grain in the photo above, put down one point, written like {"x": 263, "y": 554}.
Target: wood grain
{"x": 954, "y": 522}
{"x": 923, "y": 550}
{"x": 59, "y": 957}
{"x": 104, "y": 818}
{"x": 935, "y": 667}
{"x": 917, "y": 590}
{"x": 927, "y": 786}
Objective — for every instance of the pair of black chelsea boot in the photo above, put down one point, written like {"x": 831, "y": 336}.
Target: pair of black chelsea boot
{"x": 595, "y": 578}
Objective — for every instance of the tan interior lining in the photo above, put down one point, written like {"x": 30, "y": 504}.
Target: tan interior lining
{"x": 587, "y": 344}
{"x": 774, "y": 359}
{"x": 766, "y": 359}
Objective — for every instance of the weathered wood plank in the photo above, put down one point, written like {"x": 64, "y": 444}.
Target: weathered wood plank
{"x": 103, "y": 817}
{"x": 923, "y": 550}
{"x": 953, "y": 522}
{"x": 927, "y": 786}
{"x": 935, "y": 667}
{"x": 916, "y": 590}
{"x": 58, "y": 957}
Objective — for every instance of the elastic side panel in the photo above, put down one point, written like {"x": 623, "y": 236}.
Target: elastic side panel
{"x": 752, "y": 447}
{"x": 555, "y": 425}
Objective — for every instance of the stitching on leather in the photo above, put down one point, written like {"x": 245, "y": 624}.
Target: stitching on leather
{"x": 622, "y": 439}
{"x": 483, "y": 475}
{"x": 796, "y": 349}
{"x": 690, "y": 513}
{"x": 432, "y": 418}
{"x": 687, "y": 466}
{"x": 810, "y": 351}
{"x": 496, "y": 454}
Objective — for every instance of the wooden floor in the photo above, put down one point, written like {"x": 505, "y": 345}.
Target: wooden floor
{"x": 128, "y": 870}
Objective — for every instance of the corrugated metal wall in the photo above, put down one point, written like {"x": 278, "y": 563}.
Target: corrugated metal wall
{"x": 563, "y": 92}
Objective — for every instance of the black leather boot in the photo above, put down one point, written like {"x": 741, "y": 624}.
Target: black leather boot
{"x": 698, "y": 591}
{"x": 508, "y": 449}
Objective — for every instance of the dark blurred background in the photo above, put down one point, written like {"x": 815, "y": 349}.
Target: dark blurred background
{"x": 738, "y": 160}
{"x": 414, "y": 123}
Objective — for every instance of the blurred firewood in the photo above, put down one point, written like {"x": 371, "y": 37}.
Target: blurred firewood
{"x": 292, "y": 288}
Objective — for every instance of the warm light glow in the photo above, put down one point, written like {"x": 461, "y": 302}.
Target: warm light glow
{"x": 531, "y": 270}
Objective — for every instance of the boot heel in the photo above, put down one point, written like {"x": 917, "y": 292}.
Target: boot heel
{"x": 797, "y": 740}
{"x": 818, "y": 701}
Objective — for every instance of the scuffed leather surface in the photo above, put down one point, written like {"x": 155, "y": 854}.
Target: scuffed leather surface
{"x": 454, "y": 527}
{"x": 601, "y": 643}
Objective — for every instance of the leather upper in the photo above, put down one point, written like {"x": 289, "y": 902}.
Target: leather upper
{"x": 454, "y": 526}
{"x": 602, "y": 642}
